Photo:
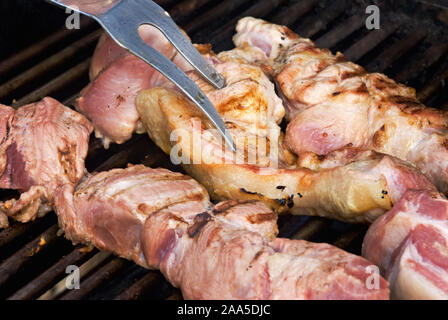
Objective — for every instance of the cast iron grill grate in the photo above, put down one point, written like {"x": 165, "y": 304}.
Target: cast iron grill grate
{"x": 34, "y": 256}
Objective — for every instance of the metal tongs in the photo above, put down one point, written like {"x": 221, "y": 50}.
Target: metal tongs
{"x": 122, "y": 18}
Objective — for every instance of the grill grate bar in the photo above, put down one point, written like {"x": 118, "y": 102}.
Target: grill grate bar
{"x": 312, "y": 25}
{"x": 95, "y": 280}
{"x": 12, "y": 265}
{"x": 13, "y": 232}
{"x": 39, "y": 47}
{"x": 434, "y": 85}
{"x": 52, "y": 62}
{"x": 133, "y": 153}
{"x": 222, "y": 9}
{"x": 51, "y": 275}
{"x": 95, "y": 150}
{"x": 342, "y": 31}
{"x": 369, "y": 42}
{"x": 138, "y": 289}
{"x": 387, "y": 57}
{"x": 56, "y": 84}
{"x": 310, "y": 228}
{"x": 181, "y": 11}
{"x": 430, "y": 57}
{"x": 165, "y": 3}
{"x": 71, "y": 101}
{"x": 288, "y": 226}
{"x": 92, "y": 263}
{"x": 344, "y": 241}
{"x": 290, "y": 14}
{"x": 19, "y": 234}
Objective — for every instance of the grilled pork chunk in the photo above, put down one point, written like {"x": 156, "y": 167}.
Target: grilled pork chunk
{"x": 164, "y": 220}
{"x": 108, "y": 101}
{"x": 109, "y": 209}
{"x": 43, "y": 145}
{"x": 117, "y": 76}
{"x": 410, "y": 244}
{"x": 333, "y": 103}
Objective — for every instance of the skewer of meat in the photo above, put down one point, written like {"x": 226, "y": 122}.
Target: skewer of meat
{"x": 332, "y": 103}
{"x": 164, "y": 220}
{"x": 43, "y": 146}
{"x": 361, "y": 190}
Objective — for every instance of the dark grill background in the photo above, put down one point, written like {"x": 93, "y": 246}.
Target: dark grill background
{"x": 38, "y": 57}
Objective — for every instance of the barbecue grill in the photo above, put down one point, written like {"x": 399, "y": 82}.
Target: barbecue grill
{"x": 411, "y": 47}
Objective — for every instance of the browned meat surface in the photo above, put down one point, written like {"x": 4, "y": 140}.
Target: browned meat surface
{"x": 333, "y": 103}
{"x": 164, "y": 220}
{"x": 360, "y": 190}
{"x": 43, "y": 145}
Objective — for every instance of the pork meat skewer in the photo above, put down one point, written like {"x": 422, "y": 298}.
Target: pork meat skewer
{"x": 43, "y": 146}
{"x": 333, "y": 103}
{"x": 360, "y": 190}
{"x": 164, "y": 220}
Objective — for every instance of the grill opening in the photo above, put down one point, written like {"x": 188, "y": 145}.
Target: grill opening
{"x": 410, "y": 47}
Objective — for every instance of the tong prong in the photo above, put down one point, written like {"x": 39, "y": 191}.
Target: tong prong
{"x": 154, "y": 15}
{"x": 130, "y": 39}
{"x": 172, "y": 32}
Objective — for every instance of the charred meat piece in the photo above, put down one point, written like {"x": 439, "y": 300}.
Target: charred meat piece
{"x": 410, "y": 244}
{"x": 43, "y": 146}
{"x": 164, "y": 220}
{"x": 333, "y": 103}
